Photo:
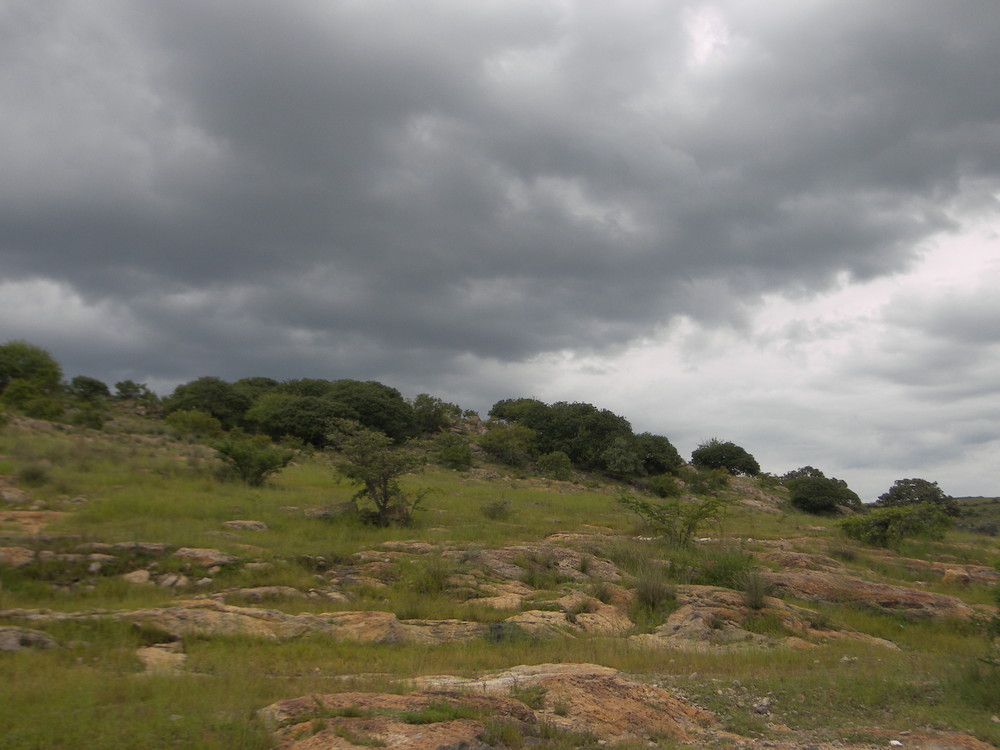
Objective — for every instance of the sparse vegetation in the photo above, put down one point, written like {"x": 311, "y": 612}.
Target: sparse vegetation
{"x": 142, "y": 481}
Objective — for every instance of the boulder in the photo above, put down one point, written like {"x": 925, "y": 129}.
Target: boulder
{"x": 818, "y": 586}
{"x": 15, "y": 557}
{"x": 246, "y": 525}
{"x": 205, "y": 557}
{"x": 18, "y": 639}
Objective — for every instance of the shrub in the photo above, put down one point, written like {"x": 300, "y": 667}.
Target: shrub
{"x": 676, "y": 519}
{"x": 195, "y": 424}
{"x": 512, "y": 444}
{"x": 707, "y": 481}
{"x": 664, "y": 485}
{"x": 453, "y": 452}
{"x": 915, "y": 491}
{"x": 887, "y": 527}
{"x": 372, "y": 462}
{"x": 496, "y": 509}
{"x": 555, "y": 465}
{"x": 253, "y": 458}
{"x": 754, "y": 587}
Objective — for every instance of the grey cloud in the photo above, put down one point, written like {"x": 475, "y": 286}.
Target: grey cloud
{"x": 392, "y": 186}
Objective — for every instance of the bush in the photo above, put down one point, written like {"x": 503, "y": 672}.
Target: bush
{"x": 664, "y": 485}
{"x": 715, "y": 454}
{"x": 194, "y": 424}
{"x": 496, "y": 509}
{"x": 453, "y": 452}
{"x": 372, "y": 462}
{"x": 512, "y": 444}
{"x": 676, "y": 520}
{"x": 914, "y": 491}
{"x": 253, "y": 458}
{"x": 556, "y": 465}
{"x": 754, "y": 587}
{"x": 887, "y": 527}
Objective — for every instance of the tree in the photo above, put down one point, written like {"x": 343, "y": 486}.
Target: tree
{"x": 453, "y": 451}
{"x": 20, "y": 360}
{"x": 677, "y": 519}
{"x": 88, "y": 389}
{"x": 888, "y": 526}
{"x": 556, "y": 465}
{"x": 309, "y": 418}
{"x": 512, "y": 444}
{"x": 376, "y": 406}
{"x": 715, "y": 454}
{"x": 913, "y": 491}
{"x": 211, "y": 395}
{"x": 821, "y": 495}
{"x": 431, "y": 414}
{"x": 620, "y": 459}
{"x": 252, "y": 457}
{"x": 194, "y": 424}
{"x": 372, "y": 461}
{"x": 657, "y": 453}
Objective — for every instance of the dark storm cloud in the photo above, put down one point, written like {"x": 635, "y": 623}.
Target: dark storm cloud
{"x": 369, "y": 185}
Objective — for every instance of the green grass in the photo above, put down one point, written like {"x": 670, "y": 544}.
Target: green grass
{"x": 140, "y": 485}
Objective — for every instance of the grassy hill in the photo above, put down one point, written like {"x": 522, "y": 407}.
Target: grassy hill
{"x": 173, "y": 621}
{"x": 980, "y": 514}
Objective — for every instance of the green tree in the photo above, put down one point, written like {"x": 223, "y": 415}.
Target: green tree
{"x": 812, "y": 491}
{"x": 431, "y": 414}
{"x": 253, "y": 458}
{"x": 129, "y": 389}
{"x": 715, "y": 454}
{"x": 453, "y": 451}
{"x": 888, "y": 526}
{"x": 620, "y": 459}
{"x": 197, "y": 425}
{"x": 556, "y": 465}
{"x": 677, "y": 519}
{"x": 376, "y": 406}
{"x": 512, "y": 444}
{"x": 915, "y": 491}
{"x": 88, "y": 389}
{"x": 308, "y": 418}
{"x": 658, "y": 455}
{"x": 372, "y": 461}
{"x": 255, "y": 387}
{"x": 213, "y": 396}
{"x": 20, "y": 360}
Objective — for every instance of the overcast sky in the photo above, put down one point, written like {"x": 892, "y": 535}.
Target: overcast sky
{"x": 769, "y": 222}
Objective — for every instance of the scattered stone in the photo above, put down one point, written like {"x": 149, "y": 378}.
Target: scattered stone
{"x": 15, "y": 557}
{"x": 246, "y": 525}
{"x": 18, "y": 639}
{"x": 830, "y": 587}
{"x": 205, "y": 556}
{"x": 137, "y": 577}
{"x": 162, "y": 658}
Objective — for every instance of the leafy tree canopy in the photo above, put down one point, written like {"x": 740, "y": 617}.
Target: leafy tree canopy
{"x": 213, "y": 396}
{"x": 377, "y": 406}
{"x": 373, "y": 462}
{"x": 888, "y": 525}
{"x": 914, "y": 491}
{"x": 88, "y": 389}
{"x": 820, "y": 494}
{"x": 308, "y": 418}
{"x": 20, "y": 360}
{"x": 715, "y": 454}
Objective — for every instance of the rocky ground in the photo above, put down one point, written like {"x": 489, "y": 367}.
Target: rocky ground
{"x": 588, "y": 595}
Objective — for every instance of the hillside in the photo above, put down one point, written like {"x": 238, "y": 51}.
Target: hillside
{"x": 148, "y": 601}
